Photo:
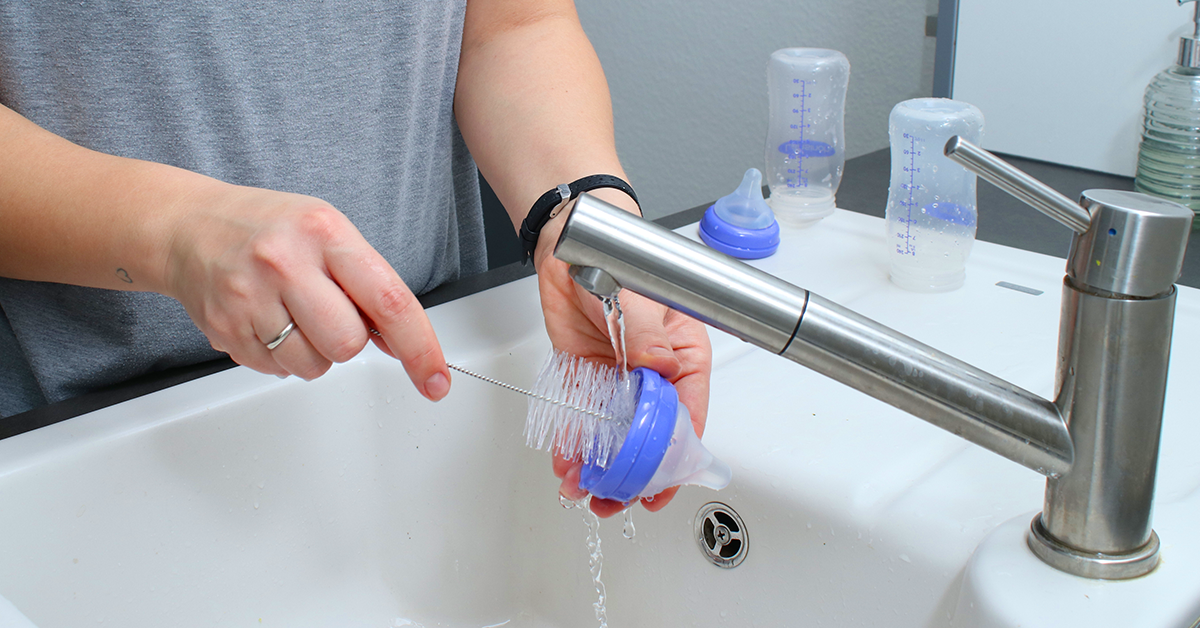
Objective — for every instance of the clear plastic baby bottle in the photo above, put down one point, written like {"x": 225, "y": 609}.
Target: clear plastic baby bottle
{"x": 931, "y": 211}
{"x": 806, "y": 137}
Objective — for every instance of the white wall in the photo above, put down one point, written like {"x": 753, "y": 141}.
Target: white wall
{"x": 1071, "y": 93}
{"x": 688, "y": 81}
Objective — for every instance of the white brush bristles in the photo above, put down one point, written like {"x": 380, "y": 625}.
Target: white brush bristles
{"x": 594, "y": 387}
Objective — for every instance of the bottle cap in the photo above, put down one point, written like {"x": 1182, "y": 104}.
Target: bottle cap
{"x": 656, "y": 440}
{"x": 741, "y": 224}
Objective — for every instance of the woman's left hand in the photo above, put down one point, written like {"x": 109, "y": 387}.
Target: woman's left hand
{"x": 673, "y": 344}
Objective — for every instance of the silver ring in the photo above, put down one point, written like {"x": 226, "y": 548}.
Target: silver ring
{"x": 282, "y": 335}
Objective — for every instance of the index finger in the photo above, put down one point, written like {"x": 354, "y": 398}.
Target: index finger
{"x": 384, "y": 298}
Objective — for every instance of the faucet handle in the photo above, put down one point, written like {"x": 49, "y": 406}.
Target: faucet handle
{"x": 1026, "y": 188}
{"x": 1135, "y": 247}
{"x": 1126, "y": 243}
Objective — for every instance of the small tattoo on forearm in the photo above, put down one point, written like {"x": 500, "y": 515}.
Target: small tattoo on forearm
{"x": 124, "y": 276}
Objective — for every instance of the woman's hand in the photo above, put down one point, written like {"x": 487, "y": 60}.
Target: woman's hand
{"x": 246, "y": 262}
{"x": 656, "y": 337}
{"x": 529, "y": 130}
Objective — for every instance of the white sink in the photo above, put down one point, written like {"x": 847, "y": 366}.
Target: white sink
{"x": 244, "y": 500}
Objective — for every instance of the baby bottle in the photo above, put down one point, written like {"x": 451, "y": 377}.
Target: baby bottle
{"x": 659, "y": 451}
{"x": 931, "y": 212}
{"x": 806, "y": 138}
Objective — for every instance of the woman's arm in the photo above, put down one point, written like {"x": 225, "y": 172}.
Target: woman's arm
{"x": 533, "y": 105}
{"x": 243, "y": 261}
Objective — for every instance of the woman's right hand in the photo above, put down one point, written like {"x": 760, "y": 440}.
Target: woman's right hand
{"x": 243, "y": 261}
{"x": 246, "y": 262}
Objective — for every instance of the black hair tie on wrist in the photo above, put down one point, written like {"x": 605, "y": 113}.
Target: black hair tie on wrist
{"x": 543, "y": 209}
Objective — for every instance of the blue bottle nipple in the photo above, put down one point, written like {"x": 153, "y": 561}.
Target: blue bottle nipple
{"x": 741, "y": 224}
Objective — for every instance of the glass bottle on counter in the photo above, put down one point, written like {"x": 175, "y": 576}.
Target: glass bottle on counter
{"x": 1169, "y": 156}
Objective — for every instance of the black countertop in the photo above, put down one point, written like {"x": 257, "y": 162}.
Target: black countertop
{"x": 864, "y": 189}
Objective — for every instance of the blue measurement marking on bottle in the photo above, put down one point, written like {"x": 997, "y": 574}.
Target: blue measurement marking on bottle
{"x": 907, "y": 244}
{"x": 794, "y": 149}
{"x": 801, "y": 147}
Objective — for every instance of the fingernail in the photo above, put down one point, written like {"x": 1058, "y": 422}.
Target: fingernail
{"x": 437, "y": 386}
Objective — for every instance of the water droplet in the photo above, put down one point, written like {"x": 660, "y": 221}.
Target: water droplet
{"x": 628, "y": 530}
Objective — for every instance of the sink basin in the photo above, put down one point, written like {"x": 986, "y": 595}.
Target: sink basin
{"x": 242, "y": 499}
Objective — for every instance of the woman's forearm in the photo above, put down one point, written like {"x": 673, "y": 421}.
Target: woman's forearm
{"x": 244, "y": 262}
{"x": 73, "y": 215}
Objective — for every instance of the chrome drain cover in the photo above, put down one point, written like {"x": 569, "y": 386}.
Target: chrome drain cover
{"x": 722, "y": 535}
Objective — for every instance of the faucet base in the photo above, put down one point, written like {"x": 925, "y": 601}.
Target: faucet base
{"x": 1095, "y": 565}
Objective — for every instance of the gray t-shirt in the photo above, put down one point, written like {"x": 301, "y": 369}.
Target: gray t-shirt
{"x": 350, "y": 101}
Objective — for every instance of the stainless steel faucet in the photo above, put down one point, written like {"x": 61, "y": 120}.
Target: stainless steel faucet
{"x": 1097, "y": 442}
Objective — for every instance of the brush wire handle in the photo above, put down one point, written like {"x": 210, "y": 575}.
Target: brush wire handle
{"x": 581, "y": 410}
{"x": 527, "y": 393}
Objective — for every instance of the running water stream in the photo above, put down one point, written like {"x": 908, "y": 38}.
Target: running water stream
{"x": 616, "y": 332}
{"x": 595, "y": 555}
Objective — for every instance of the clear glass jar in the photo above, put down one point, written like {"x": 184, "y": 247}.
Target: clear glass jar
{"x": 1169, "y": 157}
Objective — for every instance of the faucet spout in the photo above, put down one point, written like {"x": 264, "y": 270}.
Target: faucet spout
{"x": 806, "y": 328}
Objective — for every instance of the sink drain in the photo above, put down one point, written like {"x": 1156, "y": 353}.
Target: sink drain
{"x": 721, "y": 534}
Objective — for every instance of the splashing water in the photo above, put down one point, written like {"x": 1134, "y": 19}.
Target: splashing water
{"x": 595, "y": 555}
